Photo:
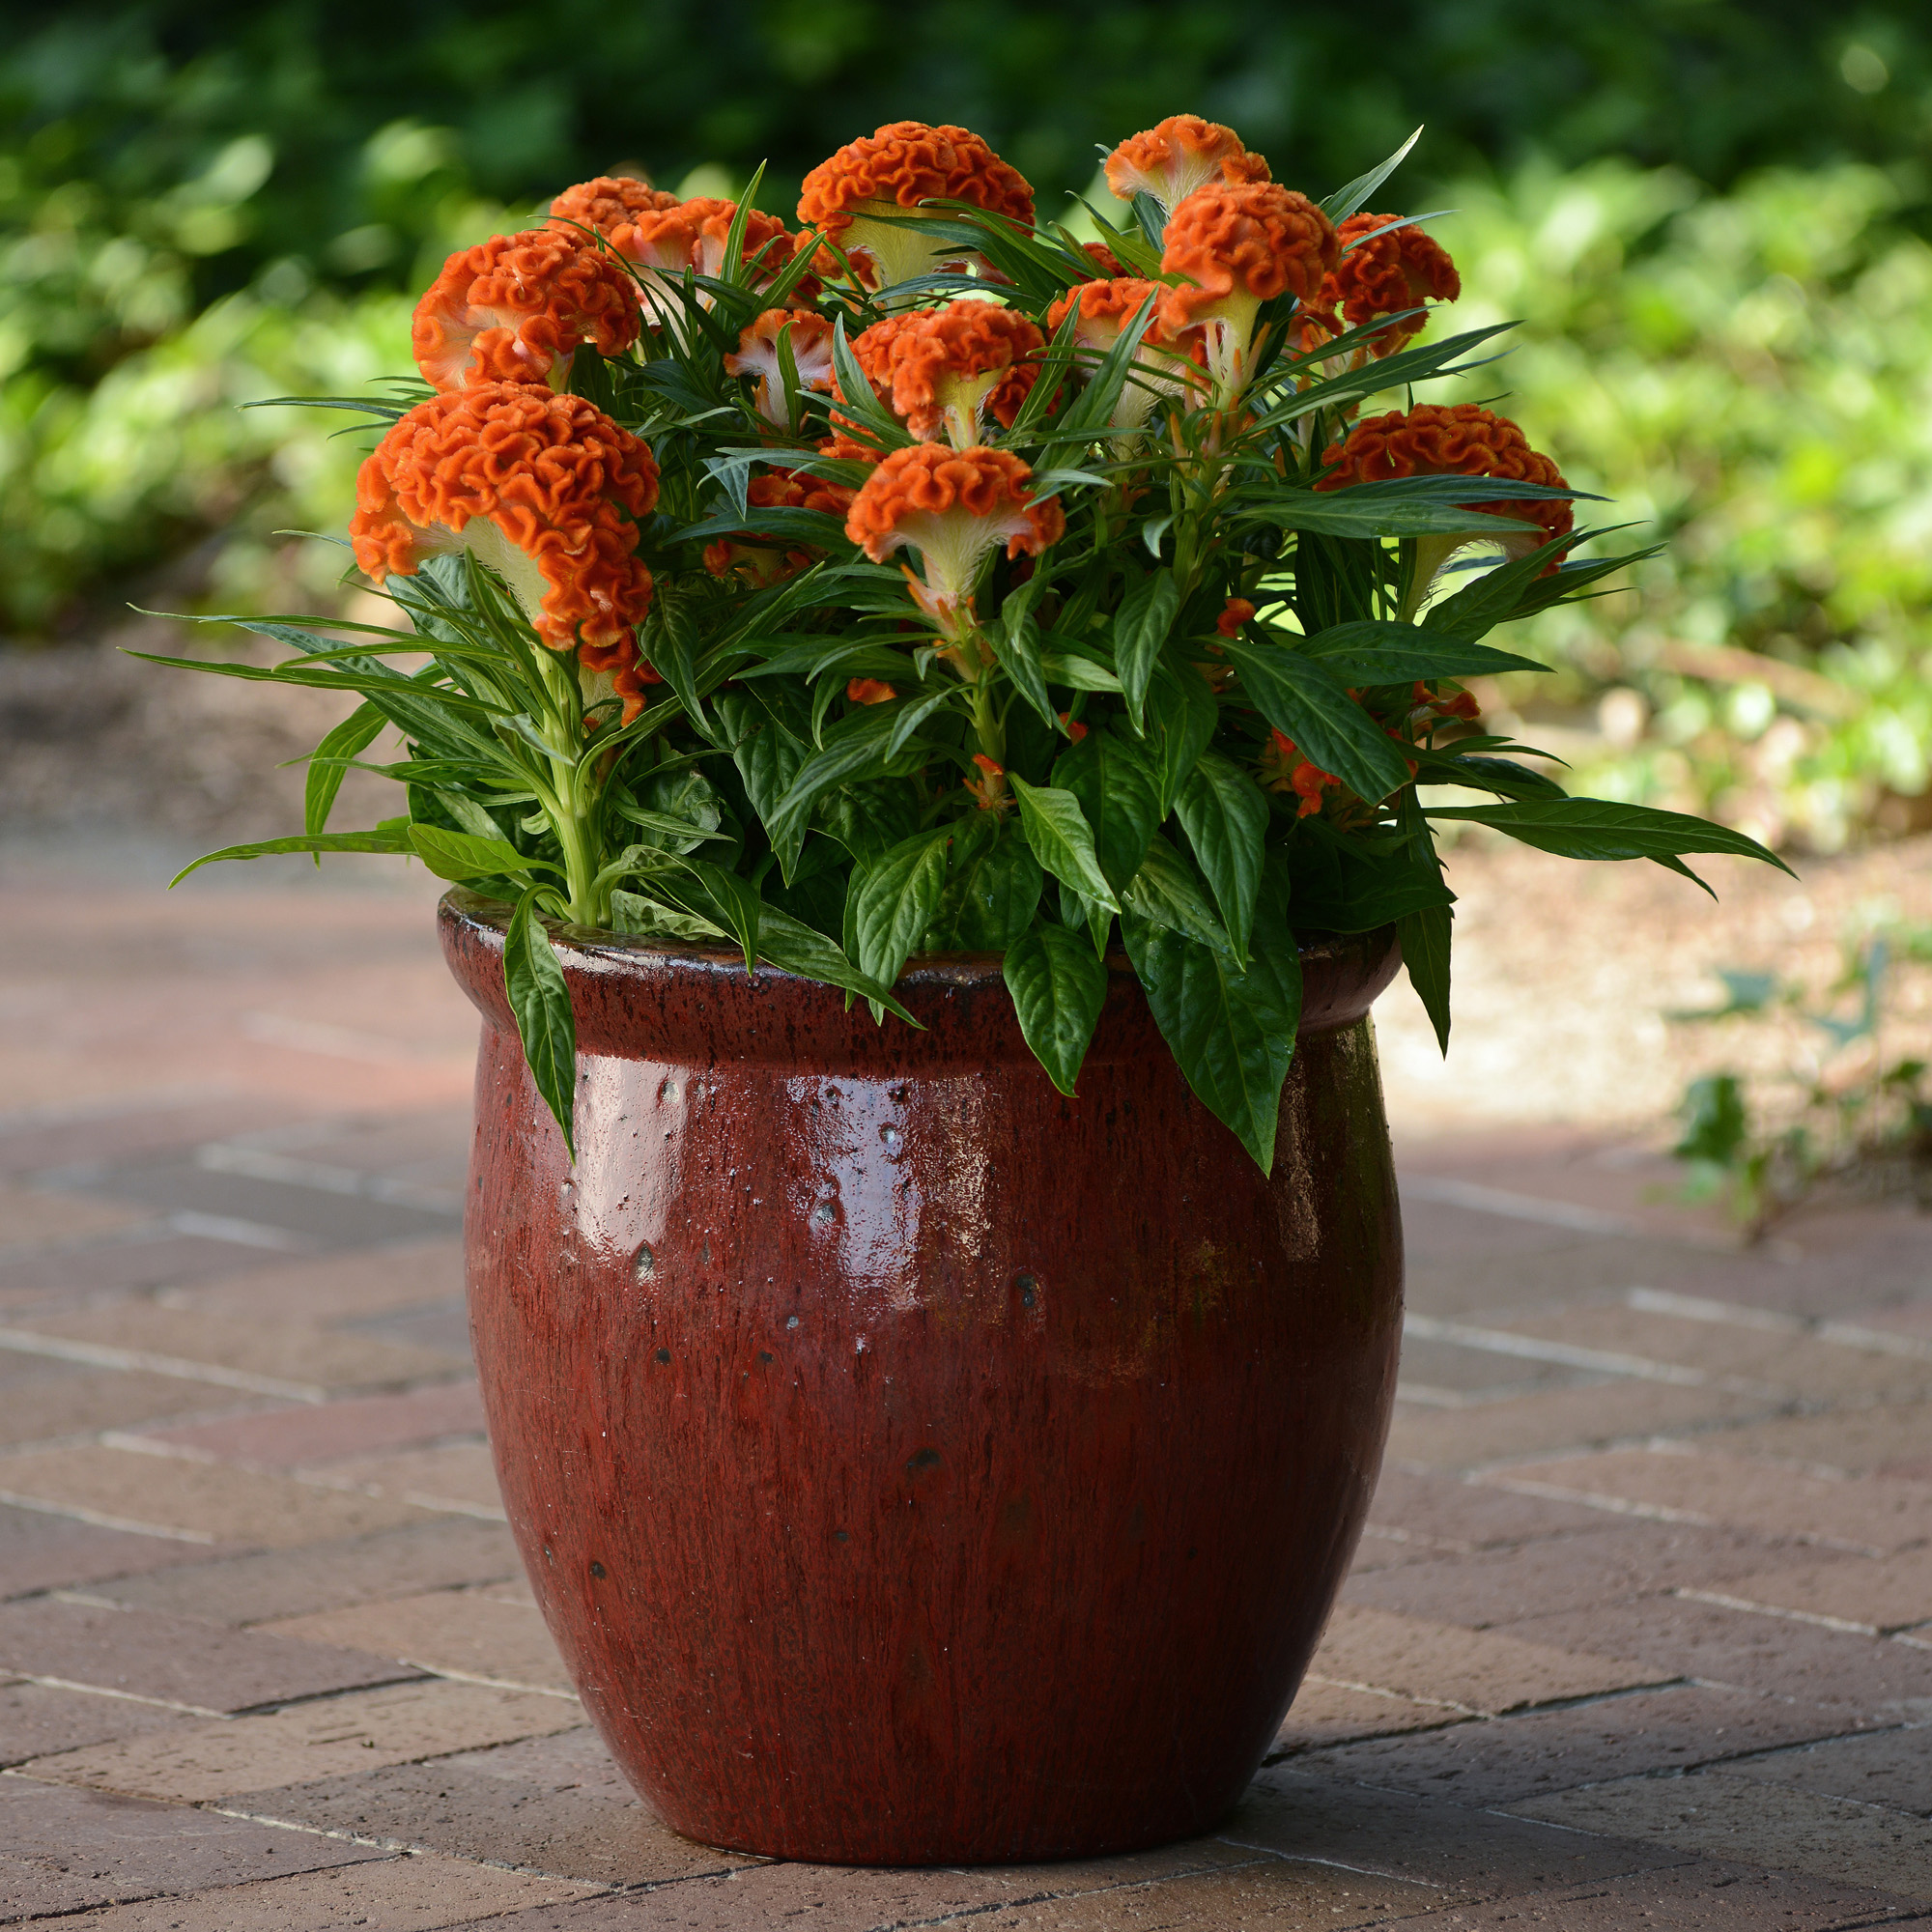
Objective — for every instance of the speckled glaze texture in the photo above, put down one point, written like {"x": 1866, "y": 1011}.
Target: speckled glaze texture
{"x": 913, "y": 1465}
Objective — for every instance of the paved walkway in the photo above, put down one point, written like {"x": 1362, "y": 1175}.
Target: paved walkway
{"x": 1640, "y": 1634}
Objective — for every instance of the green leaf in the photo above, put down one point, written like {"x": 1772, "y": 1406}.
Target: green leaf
{"x": 540, "y": 999}
{"x": 892, "y": 902}
{"x": 1165, "y": 892}
{"x": 1369, "y": 652}
{"x": 1058, "y": 988}
{"x": 1183, "y": 727}
{"x": 1399, "y": 509}
{"x": 768, "y": 758}
{"x": 793, "y": 947}
{"x": 1225, "y": 814}
{"x": 652, "y": 918}
{"x": 1061, "y": 839}
{"x": 1021, "y": 660}
{"x": 1146, "y": 616}
{"x": 992, "y": 888}
{"x": 1119, "y": 793}
{"x": 1343, "y": 885}
{"x": 1233, "y": 1033}
{"x": 354, "y": 734}
{"x": 1425, "y": 936}
{"x": 384, "y": 839}
{"x": 1346, "y": 201}
{"x": 1594, "y": 828}
{"x": 461, "y": 855}
{"x": 855, "y": 745}
{"x": 1502, "y": 775}
{"x": 1304, "y": 700}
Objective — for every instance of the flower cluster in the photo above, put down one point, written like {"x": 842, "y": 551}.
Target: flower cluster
{"x": 941, "y": 371}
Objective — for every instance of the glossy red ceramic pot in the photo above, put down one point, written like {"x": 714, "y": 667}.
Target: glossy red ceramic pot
{"x": 913, "y": 1465}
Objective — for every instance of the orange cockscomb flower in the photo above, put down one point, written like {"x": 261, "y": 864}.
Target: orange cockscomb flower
{"x": 1102, "y": 312}
{"x": 889, "y": 173}
{"x": 1283, "y": 768}
{"x": 545, "y": 489}
{"x": 1234, "y": 614}
{"x": 1103, "y": 258}
{"x": 1387, "y": 266}
{"x": 942, "y": 369}
{"x": 1460, "y": 440}
{"x": 610, "y": 205}
{"x": 513, "y": 309}
{"x": 692, "y": 235}
{"x": 954, "y": 507}
{"x": 810, "y": 338}
{"x": 1240, "y": 245}
{"x": 1180, "y": 155}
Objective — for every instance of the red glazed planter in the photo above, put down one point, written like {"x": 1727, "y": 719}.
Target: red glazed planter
{"x": 913, "y": 1465}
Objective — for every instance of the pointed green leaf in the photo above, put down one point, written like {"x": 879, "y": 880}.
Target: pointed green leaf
{"x": 384, "y": 839}
{"x": 892, "y": 902}
{"x": 1425, "y": 936}
{"x": 1304, "y": 700}
{"x": 1165, "y": 893}
{"x": 461, "y": 855}
{"x": 1369, "y": 652}
{"x": 1119, "y": 794}
{"x": 992, "y": 888}
{"x": 1225, "y": 814}
{"x": 1058, "y": 988}
{"x": 1594, "y": 828}
{"x": 1183, "y": 727}
{"x": 1061, "y": 839}
{"x": 1146, "y": 616}
{"x": 355, "y": 734}
{"x": 540, "y": 1000}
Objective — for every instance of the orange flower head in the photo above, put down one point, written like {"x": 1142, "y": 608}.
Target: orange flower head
{"x": 1460, "y": 439}
{"x": 954, "y": 507}
{"x": 941, "y": 370}
{"x": 1103, "y": 311}
{"x": 1283, "y": 768}
{"x": 890, "y": 173}
{"x": 692, "y": 235}
{"x": 1103, "y": 258}
{"x": 612, "y": 204}
{"x": 545, "y": 489}
{"x": 1384, "y": 270}
{"x": 869, "y": 691}
{"x": 810, "y": 338}
{"x": 1240, "y": 245}
{"x": 1180, "y": 155}
{"x": 1236, "y": 613}
{"x": 514, "y": 308}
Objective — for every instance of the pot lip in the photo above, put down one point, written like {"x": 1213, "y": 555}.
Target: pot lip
{"x": 462, "y": 907}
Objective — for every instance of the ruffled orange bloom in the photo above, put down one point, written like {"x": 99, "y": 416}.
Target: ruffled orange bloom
{"x": 1103, "y": 258}
{"x": 869, "y": 691}
{"x": 1385, "y": 270}
{"x": 665, "y": 243}
{"x": 1234, "y": 614}
{"x": 940, "y": 370}
{"x": 513, "y": 309}
{"x": 612, "y": 204}
{"x": 1240, "y": 245}
{"x": 811, "y": 339}
{"x": 952, "y": 507}
{"x": 1103, "y": 311}
{"x": 1283, "y": 768}
{"x": 1177, "y": 156}
{"x": 889, "y": 173}
{"x": 545, "y": 489}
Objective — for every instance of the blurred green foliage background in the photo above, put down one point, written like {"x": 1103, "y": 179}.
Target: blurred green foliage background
{"x": 1714, "y": 217}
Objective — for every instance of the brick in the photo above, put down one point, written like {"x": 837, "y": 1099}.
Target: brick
{"x": 1325, "y": 1713}
{"x": 334, "y": 1288}
{"x": 175, "y": 1659}
{"x": 1819, "y": 1369}
{"x": 467, "y": 1632}
{"x": 1891, "y": 1768}
{"x": 1715, "y": 1487}
{"x": 398, "y": 1894}
{"x": 1496, "y": 1760}
{"x": 77, "y": 1275}
{"x": 1558, "y": 1419}
{"x": 300, "y": 1359}
{"x": 442, "y": 1327}
{"x": 32, "y": 1218}
{"x": 332, "y": 1736}
{"x": 38, "y": 1551}
{"x": 1889, "y": 1438}
{"x": 66, "y": 1850}
{"x": 285, "y": 1439}
{"x": 40, "y": 1719}
{"x": 456, "y": 1476}
{"x": 1871, "y": 1595}
{"x": 79, "y": 1401}
{"x": 1620, "y": 1559}
{"x": 555, "y": 1804}
{"x": 1295, "y": 1814}
{"x": 1698, "y": 1895}
{"x": 1755, "y": 1823}
{"x": 1448, "y": 1514}
{"x": 440, "y": 1553}
{"x": 125, "y": 1489}
{"x": 1471, "y": 1670}
{"x": 1865, "y": 1680}
{"x": 131, "y": 1124}
{"x": 1543, "y": 1266}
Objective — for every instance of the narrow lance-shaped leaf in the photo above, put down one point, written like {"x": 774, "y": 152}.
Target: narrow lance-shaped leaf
{"x": 457, "y": 856}
{"x": 1061, "y": 839}
{"x": 1058, "y": 990}
{"x": 1594, "y": 828}
{"x": 1425, "y": 932}
{"x": 892, "y": 902}
{"x": 392, "y": 837}
{"x": 1225, "y": 815}
{"x": 539, "y": 997}
{"x": 1373, "y": 652}
{"x": 1141, "y": 626}
{"x": 324, "y": 776}
{"x": 1304, "y": 700}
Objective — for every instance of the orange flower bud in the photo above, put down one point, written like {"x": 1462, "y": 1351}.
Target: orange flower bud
{"x": 869, "y": 691}
{"x": 1234, "y": 614}
{"x": 1075, "y": 730}
{"x": 514, "y": 308}
{"x": 1180, "y": 155}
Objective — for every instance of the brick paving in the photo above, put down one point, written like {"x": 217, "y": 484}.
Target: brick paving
{"x": 1641, "y": 1632}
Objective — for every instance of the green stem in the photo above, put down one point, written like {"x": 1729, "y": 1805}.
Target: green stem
{"x": 562, "y": 732}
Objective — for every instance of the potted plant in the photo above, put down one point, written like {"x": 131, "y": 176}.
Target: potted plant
{"x": 937, "y": 728}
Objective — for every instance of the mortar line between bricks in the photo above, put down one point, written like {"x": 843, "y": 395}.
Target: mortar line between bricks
{"x": 100, "y": 1519}
{"x": 1092, "y": 1891}
{"x": 1650, "y": 1511}
{"x": 125, "y": 1697}
{"x": 98, "y": 1355}
{"x": 1816, "y": 1617}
